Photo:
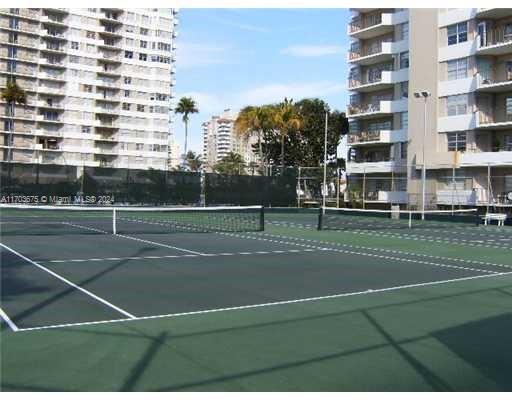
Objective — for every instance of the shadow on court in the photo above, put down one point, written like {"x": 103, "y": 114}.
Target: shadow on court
{"x": 256, "y": 361}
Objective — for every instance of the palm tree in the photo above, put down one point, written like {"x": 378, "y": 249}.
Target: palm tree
{"x": 186, "y": 106}
{"x": 286, "y": 118}
{"x": 253, "y": 119}
{"x": 231, "y": 164}
{"x": 12, "y": 94}
{"x": 194, "y": 161}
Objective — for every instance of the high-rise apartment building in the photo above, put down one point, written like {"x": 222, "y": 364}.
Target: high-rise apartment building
{"x": 99, "y": 84}
{"x": 220, "y": 139}
{"x": 463, "y": 59}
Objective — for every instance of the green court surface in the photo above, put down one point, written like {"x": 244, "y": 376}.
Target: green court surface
{"x": 287, "y": 309}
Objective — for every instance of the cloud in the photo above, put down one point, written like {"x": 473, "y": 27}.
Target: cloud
{"x": 313, "y": 50}
{"x": 276, "y": 92}
{"x": 191, "y": 55}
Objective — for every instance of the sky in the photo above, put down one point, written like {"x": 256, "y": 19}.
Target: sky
{"x": 230, "y": 58}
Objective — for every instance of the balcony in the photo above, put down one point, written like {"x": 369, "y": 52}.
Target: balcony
{"x": 493, "y": 82}
{"x": 455, "y": 123}
{"x": 53, "y": 63}
{"x": 377, "y": 53}
{"x": 107, "y": 83}
{"x": 376, "y": 109}
{"x": 110, "y": 99}
{"x": 53, "y": 20}
{"x": 495, "y": 42}
{"x": 108, "y": 151}
{"x": 45, "y": 118}
{"x": 46, "y": 133}
{"x": 51, "y": 90}
{"x": 378, "y": 80}
{"x": 52, "y": 34}
{"x": 46, "y": 48}
{"x": 105, "y": 138}
{"x": 388, "y": 166}
{"x": 111, "y": 45}
{"x": 107, "y": 31}
{"x": 376, "y": 137}
{"x": 106, "y": 124}
{"x": 114, "y": 58}
{"x": 386, "y": 196}
{"x": 493, "y": 13}
{"x": 52, "y": 77}
{"x": 489, "y": 121}
{"x": 106, "y": 110}
{"x": 367, "y": 26}
{"x": 52, "y": 105}
{"x": 485, "y": 158}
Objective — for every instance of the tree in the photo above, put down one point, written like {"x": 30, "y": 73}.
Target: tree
{"x": 286, "y": 119}
{"x": 12, "y": 94}
{"x": 254, "y": 119}
{"x": 193, "y": 161}
{"x": 306, "y": 146}
{"x": 186, "y": 106}
{"x": 231, "y": 164}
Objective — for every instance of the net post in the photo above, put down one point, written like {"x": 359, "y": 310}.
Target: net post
{"x": 114, "y": 219}
{"x": 262, "y": 219}
{"x": 320, "y": 217}
{"x": 410, "y": 219}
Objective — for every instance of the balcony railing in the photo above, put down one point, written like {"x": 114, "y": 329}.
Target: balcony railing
{"x": 491, "y": 77}
{"x": 365, "y": 51}
{"x": 360, "y": 23}
{"x": 373, "y": 77}
{"x": 495, "y": 37}
{"x": 488, "y": 117}
{"x": 362, "y": 137}
{"x": 363, "y": 108}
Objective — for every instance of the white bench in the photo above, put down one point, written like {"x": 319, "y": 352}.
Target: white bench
{"x": 495, "y": 217}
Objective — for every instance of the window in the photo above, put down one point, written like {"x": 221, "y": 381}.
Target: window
{"x": 404, "y": 60}
{"x": 458, "y": 69}
{"x": 126, "y": 93}
{"x": 379, "y": 126}
{"x": 126, "y": 106}
{"x": 11, "y": 65}
{"x": 75, "y": 45}
{"x": 139, "y": 146}
{"x": 143, "y": 57}
{"x": 456, "y": 141}
{"x": 457, "y": 105}
{"x": 14, "y": 23}
{"x": 87, "y": 88}
{"x": 144, "y": 44}
{"x": 404, "y": 89}
{"x": 144, "y": 31}
{"x": 404, "y": 31}
{"x": 12, "y": 52}
{"x": 128, "y": 54}
{"x": 457, "y": 33}
{"x": 129, "y": 28}
{"x": 74, "y": 59}
{"x": 13, "y": 37}
{"x": 354, "y": 126}
{"x": 86, "y": 129}
{"x": 130, "y": 42}
{"x": 404, "y": 120}
{"x": 508, "y": 108}
{"x": 127, "y": 80}
{"x": 90, "y": 35}
{"x": 140, "y": 107}
{"x": 403, "y": 150}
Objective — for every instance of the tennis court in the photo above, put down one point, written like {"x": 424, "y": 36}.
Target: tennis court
{"x": 180, "y": 300}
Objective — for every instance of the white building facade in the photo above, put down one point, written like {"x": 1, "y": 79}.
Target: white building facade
{"x": 99, "y": 85}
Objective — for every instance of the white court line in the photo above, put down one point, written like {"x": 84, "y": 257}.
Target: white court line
{"x": 245, "y": 253}
{"x": 343, "y": 251}
{"x": 6, "y": 318}
{"x": 137, "y": 239}
{"x": 120, "y": 310}
{"x": 161, "y": 244}
{"x": 276, "y": 303}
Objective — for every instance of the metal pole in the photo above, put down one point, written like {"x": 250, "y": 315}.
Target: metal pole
{"x": 424, "y": 167}
{"x": 325, "y": 158}
{"x": 298, "y": 190}
{"x": 364, "y": 187}
{"x": 488, "y": 186}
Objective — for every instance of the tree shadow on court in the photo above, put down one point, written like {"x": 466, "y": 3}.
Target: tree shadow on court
{"x": 60, "y": 296}
{"x": 483, "y": 344}
{"x": 12, "y": 283}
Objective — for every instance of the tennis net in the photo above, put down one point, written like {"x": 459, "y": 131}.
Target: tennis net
{"x": 350, "y": 219}
{"x": 47, "y": 220}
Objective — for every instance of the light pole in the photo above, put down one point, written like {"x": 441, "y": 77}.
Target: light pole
{"x": 425, "y": 95}
{"x": 325, "y": 158}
